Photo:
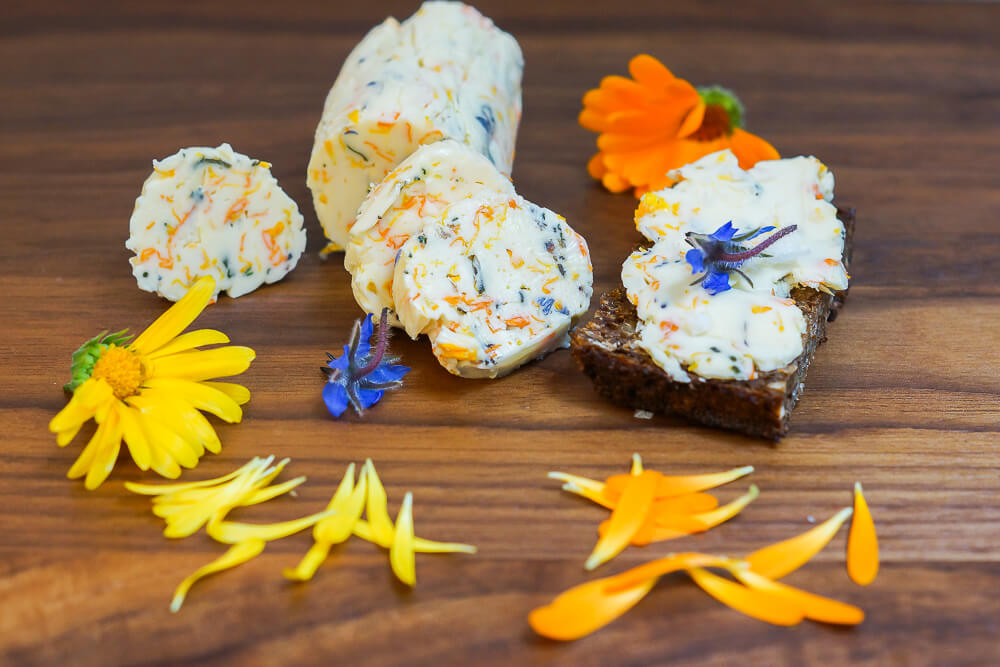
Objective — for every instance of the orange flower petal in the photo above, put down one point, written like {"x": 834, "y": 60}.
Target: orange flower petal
{"x": 627, "y": 518}
{"x": 750, "y": 149}
{"x": 764, "y": 606}
{"x": 671, "y": 485}
{"x": 585, "y": 608}
{"x": 692, "y": 121}
{"x": 691, "y": 503}
{"x": 780, "y": 559}
{"x": 591, "y": 120}
{"x": 815, "y": 607}
{"x": 623, "y": 143}
{"x": 862, "y": 543}
{"x": 595, "y": 166}
{"x": 649, "y": 71}
{"x": 614, "y": 183}
{"x": 622, "y": 88}
{"x": 661, "y": 566}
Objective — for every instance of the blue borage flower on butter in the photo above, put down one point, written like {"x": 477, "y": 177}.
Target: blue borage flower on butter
{"x": 717, "y": 254}
{"x": 360, "y": 376}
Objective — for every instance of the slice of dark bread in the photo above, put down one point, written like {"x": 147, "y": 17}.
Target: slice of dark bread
{"x": 607, "y": 351}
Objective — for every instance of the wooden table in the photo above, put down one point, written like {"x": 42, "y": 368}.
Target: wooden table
{"x": 901, "y": 100}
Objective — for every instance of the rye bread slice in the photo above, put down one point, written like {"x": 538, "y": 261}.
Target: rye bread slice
{"x": 607, "y": 351}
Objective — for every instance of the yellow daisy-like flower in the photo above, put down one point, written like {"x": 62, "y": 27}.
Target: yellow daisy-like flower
{"x": 149, "y": 392}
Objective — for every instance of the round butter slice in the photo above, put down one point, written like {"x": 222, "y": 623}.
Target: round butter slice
{"x": 213, "y": 212}
{"x": 411, "y": 196}
{"x": 496, "y": 282}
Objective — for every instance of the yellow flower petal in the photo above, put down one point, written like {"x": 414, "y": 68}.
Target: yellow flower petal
{"x": 83, "y": 405}
{"x": 233, "y": 532}
{"x": 764, "y": 606}
{"x": 237, "y": 392}
{"x": 344, "y": 489}
{"x": 307, "y": 567}
{"x": 585, "y": 608}
{"x": 180, "y": 415}
{"x": 377, "y": 508}
{"x": 815, "y": 607}
{"x": 420, "y": 545}
{"x": 777, "y": 560}
{"x": 176, "y": 319}
{"x": 163, "y": 438}
{"x": 627, "y": 518}
{"x": 203, "y": 364}
{"x": 89, "y": 453}
{"x": 236, "y": 555}
{"x": 862, "y": 543}
{"x": 190, "y": 340}
{"x": 205, "y": 396}
{"x": 401, "y": 555}
{"x": 162, "y": 489}
{"x": 268, "y": 492}
{"x": 63, "y": 438}
{"x": 106, "y": 452}
{"x": 135, "y": 439}
{"x": 338, "y": 528}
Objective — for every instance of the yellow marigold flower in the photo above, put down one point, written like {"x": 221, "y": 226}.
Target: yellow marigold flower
{"x": 149, "y": 392}
{"x": 655, "y": 122}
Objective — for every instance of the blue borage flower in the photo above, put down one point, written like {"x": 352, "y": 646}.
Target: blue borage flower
{"x": 360, "y": 376}
{"x": 719, "y": 253}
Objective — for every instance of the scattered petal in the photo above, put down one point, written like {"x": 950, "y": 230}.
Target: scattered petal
{"x": 377, "y": 508}
{"x": 236, "y": 555}
{"x": 814, "y": 607}
{"x": 401, "y": 555}
{"x": 762, "y": 605}
{"x": 670, "y": 486}
{"x": 862, "y": 543}
{"x": 585, "y": 608}
{"x": 232, "y": 532}
{"x": 627, "y": 518}
{"x": 783, "y": 558}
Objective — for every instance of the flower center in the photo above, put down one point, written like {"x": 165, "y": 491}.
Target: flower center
{"x": 717, "y": 123}
{"x": 121, "y": 369}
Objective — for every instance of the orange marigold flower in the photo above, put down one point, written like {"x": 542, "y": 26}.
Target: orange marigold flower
{"x": 654, "y": 123}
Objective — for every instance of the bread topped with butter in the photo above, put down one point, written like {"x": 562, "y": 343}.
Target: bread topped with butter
{"x": 721, "y": 311}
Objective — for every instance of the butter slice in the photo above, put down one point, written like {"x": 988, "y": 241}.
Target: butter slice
{"x": 213, "y": 212}
{"x": 495, "y": 282}
{"x": 413, "y": 195}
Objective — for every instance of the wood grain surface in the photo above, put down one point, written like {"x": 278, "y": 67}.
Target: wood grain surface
{"x": 902, "y": 100}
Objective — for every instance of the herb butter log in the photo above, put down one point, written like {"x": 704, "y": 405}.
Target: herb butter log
{"x": 414, "y": 193}
{"x": 721, "y": 315}
{"x": 213, "y": 212}
{"x": 444, "y": 73}
{"x": 494, "y": 282}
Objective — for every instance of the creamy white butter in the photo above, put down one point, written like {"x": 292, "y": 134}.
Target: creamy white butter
{"x": 213, "y": 212}
{"x": 745, "y": 330}
{"x": 444, "y": 73}
{"x": 495, "y": 282}
{"x": 413, "y": 195}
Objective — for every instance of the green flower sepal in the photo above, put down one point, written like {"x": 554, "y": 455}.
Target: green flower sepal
{"x": 87, "y": 355}
{"x": 726, "y": 99}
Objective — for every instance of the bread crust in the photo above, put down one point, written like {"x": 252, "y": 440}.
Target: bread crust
{"x": 606, "y": 349}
